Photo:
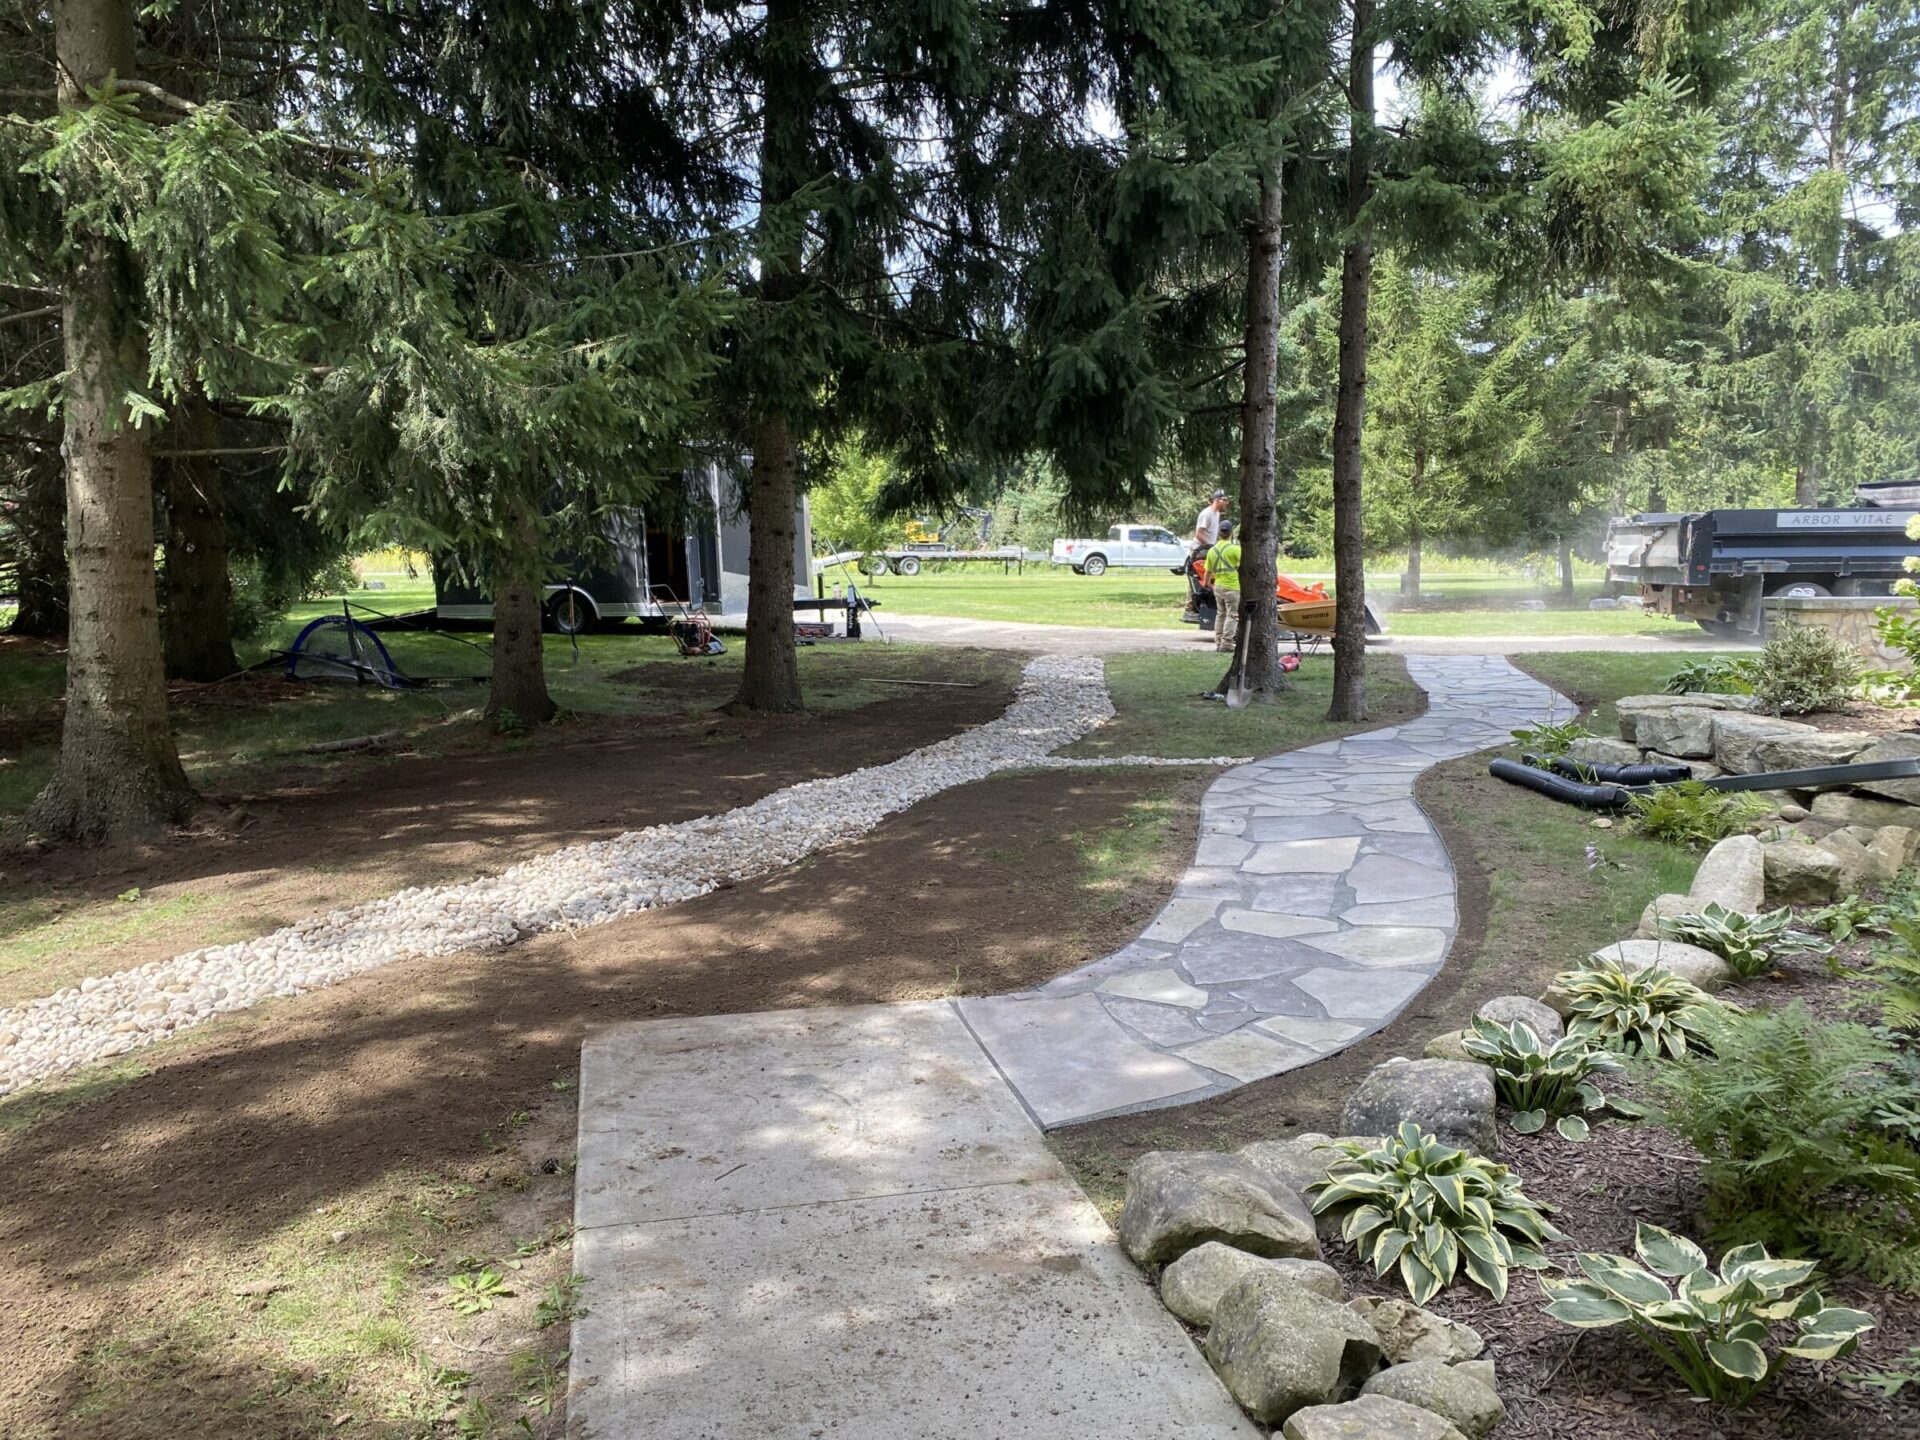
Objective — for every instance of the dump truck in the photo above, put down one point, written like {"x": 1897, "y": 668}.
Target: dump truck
{"x": 1716, "y": 567}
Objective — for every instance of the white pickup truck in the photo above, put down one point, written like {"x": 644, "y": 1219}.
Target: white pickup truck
{"x": 1139, "y": 546}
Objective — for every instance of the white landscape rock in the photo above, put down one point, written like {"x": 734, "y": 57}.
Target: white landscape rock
{"x": 1732, "y": 875}
{"x": 1060, "y": 699}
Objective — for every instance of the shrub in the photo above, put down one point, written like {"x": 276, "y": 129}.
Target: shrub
{"x": 1650, "y": 1011}
{"x": 1747, "y": 943}
{"x": 1430, "y": 1209}
{"x": 1690, "y": 814}
{"x": 1804, "y": 669}
{"x": 1712, "y": 1327}
{"x": 1725, "y": 675}
{"x": 1542, "y": 1082}
{"x": 1788, "y": 1113}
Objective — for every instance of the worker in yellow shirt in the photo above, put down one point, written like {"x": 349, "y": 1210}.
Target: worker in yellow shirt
{"x": 1223, "y": 569}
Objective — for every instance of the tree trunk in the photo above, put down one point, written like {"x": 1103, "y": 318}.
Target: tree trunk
{"x": 770, "y": 675}
{"x": 1259, "y": 527}
{"x": 1566, "y": 569}
{"x": 1350, "y": 401}
{"x": 199, "y": 618}
{"x": 40, "y": 551}
{"x": 517, "y": 694}
{"x": 1410, "y": 577}
{"x": 118, "y": 774}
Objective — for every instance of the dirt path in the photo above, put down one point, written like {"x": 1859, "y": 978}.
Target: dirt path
{"x": 142, "y": 1204}
{"x": 319, "y": 841}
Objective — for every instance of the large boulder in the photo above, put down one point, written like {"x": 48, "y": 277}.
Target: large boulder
{"x": 1893, "y": 747}
{"x": 1682, "y": 730}
{"x": 1409, "y": 1333}
{"x": 1192, "y": 1286}
{"x": 1859, "y": 866}
{"x": 1302, "y": 1161}
{"x": 1799, "y": 873}
{"x": 1448, "y": 1046}
{"x": 1663, "y": 907}
{"x": 1449, "y": 1099}
{"x": 1472, "y": 1408}
{"x": 1849, "y": 809}
{"x": 1737, "y": 739}
{"x": 1599, "y": 750}
{"x": 1699, "y": 967}
{"x": 1629, "y": 708}
{"x": 1803, "y": 752}
{"x": 1896, "y": 845}
{"x": 1696, "y": 769}
{"x": 1505, "y": 1009}
{"x": 1279, "y": 1348}
{"x": 1179, "y": 1199}
{"x": 1732, "y": 875}
{"x": 1371, "y": 1417}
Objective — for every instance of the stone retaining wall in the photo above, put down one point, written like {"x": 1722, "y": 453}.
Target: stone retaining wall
{"x": 1848, "y": 616}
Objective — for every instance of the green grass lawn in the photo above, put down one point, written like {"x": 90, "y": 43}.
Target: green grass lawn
{"x": 1595, "y": 679}
{"x": 1158, "y": 709}
{"x": 1151, "y": 600}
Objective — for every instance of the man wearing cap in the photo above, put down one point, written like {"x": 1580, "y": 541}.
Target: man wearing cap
{"x": 1206, "y": 530}
{"x": 1223, "y": 568}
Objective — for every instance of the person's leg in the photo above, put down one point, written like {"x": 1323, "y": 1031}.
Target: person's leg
{"x": 1228, "y": 621}
{"x": 1193, "y": 582}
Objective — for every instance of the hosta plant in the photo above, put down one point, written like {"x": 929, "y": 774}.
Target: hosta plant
{"x": 1851, "y": 916}
{"x": 1713, "y": 1327}
{"x": 1431, "y": 1210}
{"x": 1549, "y": 738}
{"x": 1541, "y": 1082}
{"x": 1650, "y": 1011}
{"x": 1748, "y": 943}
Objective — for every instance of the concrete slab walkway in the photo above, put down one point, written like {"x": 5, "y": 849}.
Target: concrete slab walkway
{"x": 1321, "y": 901}
{"x": 840, "y": 1223}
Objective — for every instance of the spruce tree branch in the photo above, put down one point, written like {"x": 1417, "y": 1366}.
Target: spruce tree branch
{"x": 156, "y": 94}
{"x": 22, "y": 316}
{"x": 220, "y": 450}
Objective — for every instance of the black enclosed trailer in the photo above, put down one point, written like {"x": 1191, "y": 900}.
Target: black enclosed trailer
{"x": 650, "y": 571}
{"x": 1718, "y": 566}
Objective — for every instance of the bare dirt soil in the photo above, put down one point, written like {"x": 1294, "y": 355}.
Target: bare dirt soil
{"x": 307, "y": 841}
{"x": 145, "y": 1202}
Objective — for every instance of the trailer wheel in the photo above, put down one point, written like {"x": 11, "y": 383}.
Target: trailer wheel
{"x": 874, "y": 565}
{"x": 909, "y": 565}
{"x": 1094, "y": 565}
{"x": 571, "y": 613}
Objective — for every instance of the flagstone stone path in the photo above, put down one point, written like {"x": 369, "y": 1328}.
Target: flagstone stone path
{"x": 1320, "y": 902}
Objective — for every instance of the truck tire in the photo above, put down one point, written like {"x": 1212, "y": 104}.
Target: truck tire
{"x": 1721, "y": 629}
{"x": 1800, "y": 590}
{"x": 908, "y": 565}
{"x": 874, "y": 565}
{"x": 1093, "y": 565}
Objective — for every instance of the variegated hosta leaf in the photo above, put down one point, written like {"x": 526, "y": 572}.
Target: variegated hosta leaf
{"x": 1528, "y": 1121}
{"x": 1582, "y": 1305}
{"x": 1624, "y": 1280}
{"x": 1742, "y": 1359}
{"x": 1572, "y": 1127}
{"x": 1666, "y": 1253}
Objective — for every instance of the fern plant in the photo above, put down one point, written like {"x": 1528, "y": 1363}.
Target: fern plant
{"x": 1649, "y": 1011}
{"x": 1542, "y": 1082}
{"x": 1430, "y": 1210}
{"x": 1894, "y": 975}
{"x": 1789, "y": 1114}
{"x": 1711, "y": 1327}
{"x": 1690, "y": 814}
{"x": 1748, "y": 943}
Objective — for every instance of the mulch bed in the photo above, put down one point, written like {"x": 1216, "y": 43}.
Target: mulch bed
{"x": 1564, "y": 1384}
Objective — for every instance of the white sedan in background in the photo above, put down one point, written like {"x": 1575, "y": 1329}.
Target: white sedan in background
{"x": 1138, "y": 546}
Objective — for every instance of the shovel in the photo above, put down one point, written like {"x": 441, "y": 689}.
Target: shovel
{"x": 1233, "y": 688}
